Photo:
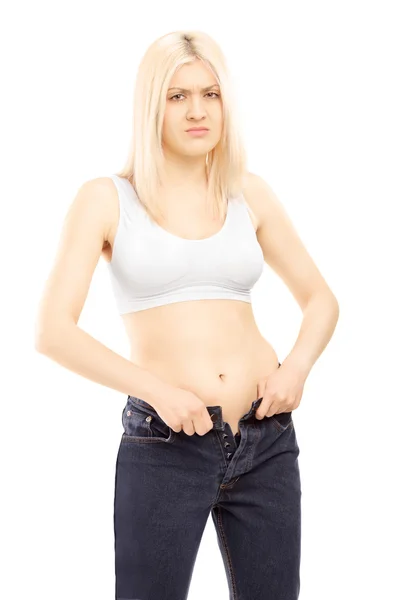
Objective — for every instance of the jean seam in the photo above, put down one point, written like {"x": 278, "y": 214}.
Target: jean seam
{"x": 130, "y": 439}
{"x": 148, "y": 427}
{"x": 279, "y": 426}
{"x": 250, "y": 458}
{"x": 227, "y": 555}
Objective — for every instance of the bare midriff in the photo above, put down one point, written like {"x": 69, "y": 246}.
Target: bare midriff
{"x": 210, "y": 347}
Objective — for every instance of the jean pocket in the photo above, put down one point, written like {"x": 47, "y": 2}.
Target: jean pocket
{"x": 282, "y": 421}
{"x": 142, "y": 423}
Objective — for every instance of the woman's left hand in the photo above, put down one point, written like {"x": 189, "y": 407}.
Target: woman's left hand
{"x": 281, "y": 391}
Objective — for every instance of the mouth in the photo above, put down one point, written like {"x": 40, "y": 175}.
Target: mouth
{"x": 197, "y": 132}
{"x": 197, "y": 129}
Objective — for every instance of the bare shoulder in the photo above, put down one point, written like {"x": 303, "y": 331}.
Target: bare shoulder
{"x": 84, "y": 231}
{"x": 101, "y": 197}
{"x": 258, "y": 191}
{"x": 282, "y": 246}
{"x": 258, "y": 195}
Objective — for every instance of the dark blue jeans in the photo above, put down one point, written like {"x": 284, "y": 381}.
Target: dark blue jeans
{"x": 167, "y": 484}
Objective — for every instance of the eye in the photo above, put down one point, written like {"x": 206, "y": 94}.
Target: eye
{"x": 176, "y": 95}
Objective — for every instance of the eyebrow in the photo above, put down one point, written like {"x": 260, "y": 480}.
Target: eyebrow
{"x": 210, "y": 87}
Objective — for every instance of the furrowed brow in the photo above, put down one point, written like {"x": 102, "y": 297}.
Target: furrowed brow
{"x": 206, "y": 89}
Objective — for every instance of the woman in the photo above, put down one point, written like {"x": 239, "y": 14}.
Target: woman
{"x": 208, "y": 425}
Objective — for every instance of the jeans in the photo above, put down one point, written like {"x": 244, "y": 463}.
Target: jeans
{"x": 166, "y": 485}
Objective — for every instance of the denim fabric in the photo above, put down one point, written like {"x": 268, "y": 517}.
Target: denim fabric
{"x": 166, "y": 485}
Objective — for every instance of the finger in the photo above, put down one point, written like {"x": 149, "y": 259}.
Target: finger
{"x": 262, "y": 410}
{"x": 204, "y": 424}
{"x": 273, "y": 410}
{"x": 188, "y": 427}
{"x": 260, "y": 387}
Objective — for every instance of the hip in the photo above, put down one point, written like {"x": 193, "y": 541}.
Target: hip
{"x": 228, "y": 379}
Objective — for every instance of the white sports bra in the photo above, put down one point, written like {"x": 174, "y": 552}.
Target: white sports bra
{"x": 151, "y": 267}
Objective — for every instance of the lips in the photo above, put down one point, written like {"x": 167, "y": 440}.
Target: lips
{"x": 197, "y": 129}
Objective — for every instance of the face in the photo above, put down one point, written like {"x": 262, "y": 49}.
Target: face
{"x": 195, "y": 107}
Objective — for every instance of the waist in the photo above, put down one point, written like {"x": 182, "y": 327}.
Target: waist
{"x": 196, "y": 329}
{"x": 230, "y": 382}
{"x": 213, "y": 348}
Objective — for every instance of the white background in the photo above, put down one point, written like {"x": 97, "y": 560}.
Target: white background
{"x": 318, "y": 89}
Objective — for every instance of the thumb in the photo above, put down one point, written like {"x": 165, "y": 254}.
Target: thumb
{"x": 264, "y": 406}
{"x": 260, "y": 388}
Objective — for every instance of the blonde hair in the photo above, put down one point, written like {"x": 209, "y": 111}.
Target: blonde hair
{"x": 225, "y": 164}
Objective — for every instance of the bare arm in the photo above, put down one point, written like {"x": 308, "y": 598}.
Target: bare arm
{"x": 286, "y": 254}
{"x": 57, "y": 334}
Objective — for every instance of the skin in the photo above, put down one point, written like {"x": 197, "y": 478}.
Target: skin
{"x": 185, "y": 155}
{"x": 210, "y": 347}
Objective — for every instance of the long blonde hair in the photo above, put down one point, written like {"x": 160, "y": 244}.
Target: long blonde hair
{"x": 226, "y": 164}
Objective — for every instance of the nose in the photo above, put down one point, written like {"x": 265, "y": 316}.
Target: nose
{"x": 195, "y": 110}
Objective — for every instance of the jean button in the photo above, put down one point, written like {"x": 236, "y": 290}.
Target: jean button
{"x": 149, "y": 418}
{"x": 128, "y": 413}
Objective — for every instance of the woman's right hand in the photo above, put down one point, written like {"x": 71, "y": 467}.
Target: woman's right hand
{"x": 182, "y": 410}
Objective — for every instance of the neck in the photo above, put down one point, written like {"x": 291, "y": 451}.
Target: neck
{"x": 184, "y": 172}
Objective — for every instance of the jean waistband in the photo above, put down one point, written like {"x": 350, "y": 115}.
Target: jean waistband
{"x": 215, "y": 412}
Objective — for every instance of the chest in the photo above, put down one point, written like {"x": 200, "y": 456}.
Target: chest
{"x": 183, "y": 222}
{"x": 193, "y": 224}
{"x": 190, "y": 219}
